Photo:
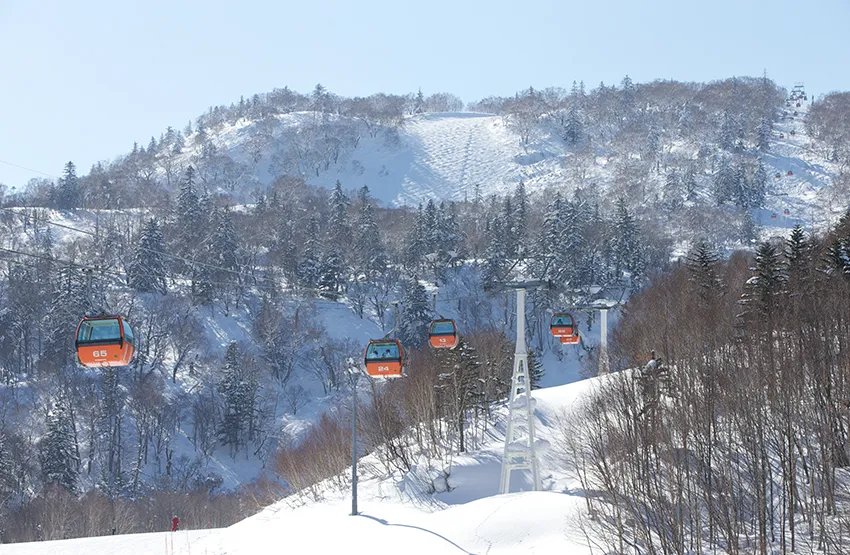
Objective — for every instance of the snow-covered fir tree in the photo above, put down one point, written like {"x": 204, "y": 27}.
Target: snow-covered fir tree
{"x": 58, "y": 457}
{"x": 573, "y": 129}
{"x": 147, "y": 271}
{"x": 68, "y": 193}
{"x": 309, "y": 269}
{"x": 238, "y": 388}
{"x": 702, "y": 263}
{"x": 766, "y": 284}
{"x": 627, "y": 247}
{"x": 369, "y": 249}
{"x": 339, "y": 227}
{"x": 415, "y": 314}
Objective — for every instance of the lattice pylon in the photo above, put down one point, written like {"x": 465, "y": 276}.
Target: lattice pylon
{"x": 519, "y": 453}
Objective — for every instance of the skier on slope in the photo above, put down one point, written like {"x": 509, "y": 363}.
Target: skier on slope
{"x": 175, "y": 523}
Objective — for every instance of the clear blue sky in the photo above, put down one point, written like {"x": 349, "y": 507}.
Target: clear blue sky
{"x": 82, "y": 80}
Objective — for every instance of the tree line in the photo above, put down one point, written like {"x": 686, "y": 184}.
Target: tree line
{"x": 738, "y": 439}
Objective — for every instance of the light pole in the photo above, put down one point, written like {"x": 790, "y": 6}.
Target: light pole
{"x": 354, "y": 374}
{"x": 603, "y": 342}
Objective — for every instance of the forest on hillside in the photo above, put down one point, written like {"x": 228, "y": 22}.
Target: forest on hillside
{"x": 165, "y": 240}
{"x": 110, "y": 437}
{"x": 737, "y": 437}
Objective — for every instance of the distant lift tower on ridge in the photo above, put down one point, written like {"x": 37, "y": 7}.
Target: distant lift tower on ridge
{"x": 520, "y": 444}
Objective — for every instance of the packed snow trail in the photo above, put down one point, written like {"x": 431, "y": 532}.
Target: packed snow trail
{"x": 155, "y": 543}
{"x": 806, "y": 194}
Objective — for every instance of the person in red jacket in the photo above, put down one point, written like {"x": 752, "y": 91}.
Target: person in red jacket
{"x": 175, "y": 522}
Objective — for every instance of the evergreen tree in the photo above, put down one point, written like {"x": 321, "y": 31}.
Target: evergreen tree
{"x": 520, "y": 203}
{"x": 331, "y": 271}
{"x": 547, "y": 248}
{"x": 728, "y": 132}
{"x": 147, "y": 271}
{"x": 702, "y": 263}
{"x": 188, "y": 213}
{"x": 627, "y": 249}
{"x": 509, "y": 228}
{"x": 448, "y": 231}
{"x": 765, "y": 285}
{"x": 749, "y": 229}
{"x": 431, "y": 228}
{"x": 416, "y": 241}
{"x": 672, "y": 190}
{"x": 58, "y": 457}
{"x": 370, "y": 254}
{"x": 223, "y": 249}
{"x": 188, "y": 221}
{"x": 285, "y": 246}
{"x": 724, "y": 182}
{"x": 8, "y": 478}
{"x": 628, "y": 94}
{"x": 238, "y": 388}
{"x": 419, "y": 103}
{"x": 309, "y": 268}
{"x": 799, "y": 260}
{"x": 496, "y": 254}
{"x": 179, "y": 143}
{"x": 690, "y": 182}
{"x": 70, "y": 299}
{"x": 68, "y": 195}
{"x": 415, "y": 315}
{"x": 339, "y": 229}
{"x": 763, "y": 133}
{"x": 574, "y": 129}
{"x": 740, "y": 187}
{"x": 758, "y": 186}
{"x": 203, "y": 291}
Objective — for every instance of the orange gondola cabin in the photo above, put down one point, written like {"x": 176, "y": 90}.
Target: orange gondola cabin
{"x": 105, "y": 341}
{"x": 383, "y": 358}
{"x": 442, "y": 334}
{"x": 564, "y": 328}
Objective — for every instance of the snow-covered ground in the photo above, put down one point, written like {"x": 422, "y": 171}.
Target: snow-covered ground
{"x": 394, "y": 514}
{"x": 807, "y": 194}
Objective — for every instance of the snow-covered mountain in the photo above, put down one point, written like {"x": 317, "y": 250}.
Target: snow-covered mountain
{"x": 456, "y": 155}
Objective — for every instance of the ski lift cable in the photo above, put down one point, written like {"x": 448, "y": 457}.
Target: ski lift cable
{"x": 122, "y": 277}
{"x": 207, "y": 265}
{"x": 28, "y": 169}
{"x": 170, "y": 255}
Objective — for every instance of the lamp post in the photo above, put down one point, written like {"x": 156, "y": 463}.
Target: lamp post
{"x": 354, "y": 374}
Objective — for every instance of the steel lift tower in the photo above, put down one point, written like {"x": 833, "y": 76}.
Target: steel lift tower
{"x": 520, "y": 443}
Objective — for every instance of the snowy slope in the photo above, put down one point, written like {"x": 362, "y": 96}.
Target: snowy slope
{"x": 439, "y": 156}
{"x": 807, "y": 194}
{"x": 445, "y": 155}
{"x": 395, "y": 515}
